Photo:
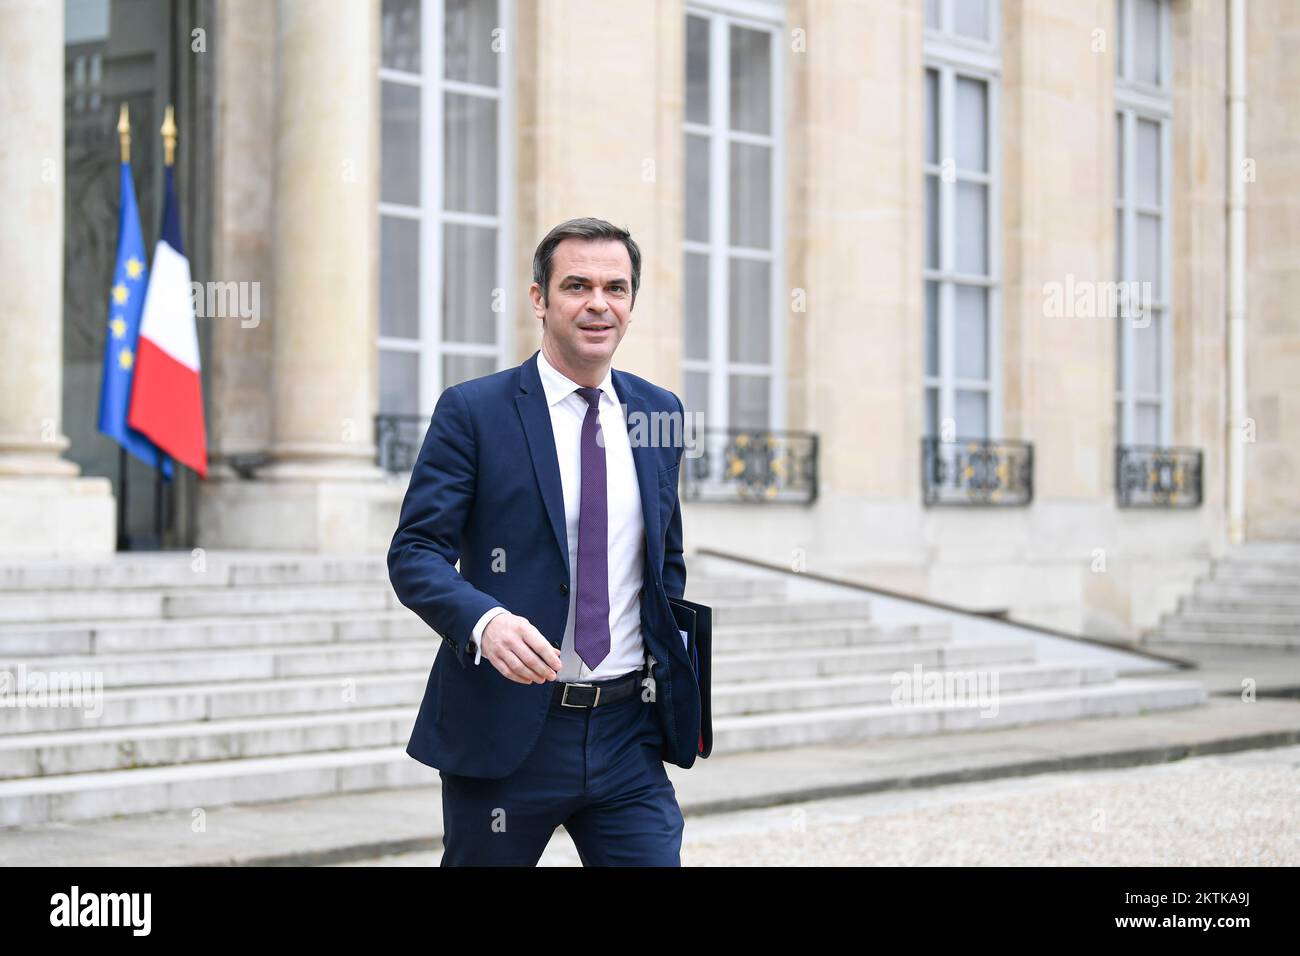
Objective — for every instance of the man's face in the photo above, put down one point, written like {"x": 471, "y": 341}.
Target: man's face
{"x": 589, "y": 305}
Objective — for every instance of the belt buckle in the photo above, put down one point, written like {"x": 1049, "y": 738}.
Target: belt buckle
{"x": 564, "y": 698}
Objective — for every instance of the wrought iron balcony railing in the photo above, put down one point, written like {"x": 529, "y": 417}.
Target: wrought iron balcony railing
{"x": 397, "y": 441}
{"x": 718, "y": 465}
{"x": 1148, "y": 476}
{"x": 977, "y": 471}
{"x": 736, "y": 464}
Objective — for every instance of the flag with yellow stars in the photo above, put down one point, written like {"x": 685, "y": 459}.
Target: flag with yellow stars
{"x": 125, "y": 304}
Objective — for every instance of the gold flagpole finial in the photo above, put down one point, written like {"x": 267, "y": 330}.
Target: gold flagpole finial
{"x": 124, "y": 132}
{"x": 169, "y": 136}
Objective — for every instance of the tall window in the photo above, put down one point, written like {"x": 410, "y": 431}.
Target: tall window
{"x": 733, "y": 351}
{"x": 1144, "y": 106}
{"x": 962, "y": 221}
{"x": 445, "y": 187}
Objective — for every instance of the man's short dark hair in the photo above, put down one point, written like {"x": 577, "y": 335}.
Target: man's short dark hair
{"x": 589, "y": 229}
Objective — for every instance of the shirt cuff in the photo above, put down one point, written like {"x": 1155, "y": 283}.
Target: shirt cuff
{"x": 480, "y": 627}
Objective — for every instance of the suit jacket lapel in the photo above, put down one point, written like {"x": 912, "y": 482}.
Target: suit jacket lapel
{"x": 536, "y": 417}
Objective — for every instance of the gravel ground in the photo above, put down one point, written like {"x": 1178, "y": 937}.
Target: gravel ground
{"x": 1234, "y": 810}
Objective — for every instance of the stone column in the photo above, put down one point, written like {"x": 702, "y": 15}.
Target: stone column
{"x": 44, "y": 507}
{"x": 320, "y": 489}
{"x": 325, "y": 240}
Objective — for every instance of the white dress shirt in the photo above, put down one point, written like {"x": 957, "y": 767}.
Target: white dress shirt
{"x": 626, "y": 525}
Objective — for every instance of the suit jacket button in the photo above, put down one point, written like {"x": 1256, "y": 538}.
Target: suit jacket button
{"x": 564, "y": 589}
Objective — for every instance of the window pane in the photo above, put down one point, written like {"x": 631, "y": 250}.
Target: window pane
{"x": 932, "y": 222}
{"x": 399, "y": 277}
{"x": 1146, "y": 41}
{"x": 399, "y": 382}
{"x": 1148, "y": 424}
{"x": 470, "y": 127}
{"x": 750, "y": 296}
{"x": 1119, "y": 38}
{"x": 971, "y": 117}
{"x": 468, "y": 30}
{"x": 696, "y": 398}
{"x": 696, "y": 311}
{"x": 469, "y": 269}
{"x": 970, "y": 322}
{"x": 749, "y": 406}
{"x": 1148, "y": 163}
{"x": 932, "y": 14}
{"x": 399, "y": 164}
{"x": 400, "y": 29}
{"x": 1119, "y": 155}
{"x": 461, "y": 368}
{"x": 1146, "y": 344}
{"x": 932, "y": 328}
{"x": 751, "y": 196}
{"x": 1119, "y": 246}
{"x": 972, "y": 228}
{"x": 932, "y": 116}
{"x": 751, "y": 80}
{"x": 932, "y": 412}
{"x": 697, "y": 70}
{"x": 972, "y": 414}
{"x": 970, "y": 18}
{"x": 1148, "y": 252}
{"x": 697, "y": 188}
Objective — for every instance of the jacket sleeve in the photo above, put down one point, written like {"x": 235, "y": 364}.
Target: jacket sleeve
{"x": 426, "y": 547}
{"x": 674, "y": 561}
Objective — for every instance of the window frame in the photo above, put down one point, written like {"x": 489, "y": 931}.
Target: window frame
{"x": 766, "y": 17}
{"x": 1134, "y": 102}
{"x": 431, "y": 345}
{"x": 953, "y": 56}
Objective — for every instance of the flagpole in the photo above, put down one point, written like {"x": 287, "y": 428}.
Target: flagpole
{"x": 124, "y": 141}
{"x": 168, "y": 131}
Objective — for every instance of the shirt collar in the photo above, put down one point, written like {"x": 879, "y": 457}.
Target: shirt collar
{"x": 559, "y": 386}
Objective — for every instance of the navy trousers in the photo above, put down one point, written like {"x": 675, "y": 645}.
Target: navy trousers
{"x": 596, "y": 771}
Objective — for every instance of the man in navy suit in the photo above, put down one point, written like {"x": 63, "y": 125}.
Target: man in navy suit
{"x": 561, "y": 684}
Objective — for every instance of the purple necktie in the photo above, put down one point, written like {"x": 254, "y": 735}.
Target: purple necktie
{"x": 591, "y": 620}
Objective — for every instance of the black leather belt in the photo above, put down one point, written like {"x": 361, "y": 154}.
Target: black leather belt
{"x": 597, "y": 693}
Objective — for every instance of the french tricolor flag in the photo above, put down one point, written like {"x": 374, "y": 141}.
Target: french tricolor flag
{"x": 167, "y": 393}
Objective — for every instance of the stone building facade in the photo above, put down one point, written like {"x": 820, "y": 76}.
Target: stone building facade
{"x": 879, "y": 238}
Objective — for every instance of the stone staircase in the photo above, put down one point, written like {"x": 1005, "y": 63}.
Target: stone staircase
{"x": 1251, "y": 598}
{"x": 250, "y": 678}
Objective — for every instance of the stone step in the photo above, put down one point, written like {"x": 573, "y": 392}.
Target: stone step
{"x": 755, "y": 637}
{"x": 752, "y": 697}
{"x": 1123, "y": 697}
{"x": 1266, "y": 591}
{"x": 1257, "y": 572}
{"x": 132, "y": 707}
{"x": 144, "y": 603}
{"x": 217, "y": 783}
{"x": 185, "y": 569}
{"x": 737, "y": 600}
{"x": 125, "y": 748}
{"x": 346, "y": 726}
{"x": 139, "y": 636}
{"x": 1277, "y": 605}
{"x": 1175, "y": 633}
{"x": 348, "y": 659}
{"x": 728, "y": 614}
{"x": 80, "y": 796}
{"x": 1216, "y": 622}
{"x": 1270, "y": 550}
{"x": 801, "y": 663}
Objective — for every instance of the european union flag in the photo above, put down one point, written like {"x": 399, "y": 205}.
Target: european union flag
{"x": 125, "y": 304}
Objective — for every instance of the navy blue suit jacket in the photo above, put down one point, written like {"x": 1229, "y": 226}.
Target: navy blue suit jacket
{"x": 487, "y": 486}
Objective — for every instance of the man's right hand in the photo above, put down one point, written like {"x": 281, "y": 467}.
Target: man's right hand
{"x": 519, "y": 651}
